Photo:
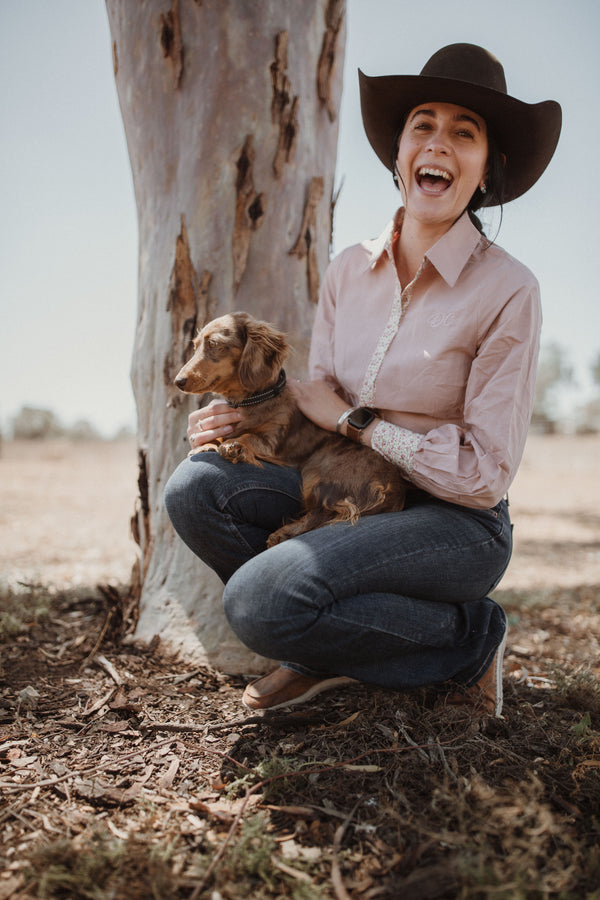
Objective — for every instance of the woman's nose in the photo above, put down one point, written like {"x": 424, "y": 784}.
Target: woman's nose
{"x": 438, "y": 142}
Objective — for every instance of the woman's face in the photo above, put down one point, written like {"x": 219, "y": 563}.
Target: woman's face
{"x": 442, "y": 160}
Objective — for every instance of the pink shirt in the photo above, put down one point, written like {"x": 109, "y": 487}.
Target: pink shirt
{"x": 450, "y": 361}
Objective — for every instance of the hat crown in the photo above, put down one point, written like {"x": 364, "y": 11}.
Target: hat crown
{"x": 467, "y": 62}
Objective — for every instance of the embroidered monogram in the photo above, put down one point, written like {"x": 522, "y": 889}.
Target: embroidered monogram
{"x": 441, "y": 319}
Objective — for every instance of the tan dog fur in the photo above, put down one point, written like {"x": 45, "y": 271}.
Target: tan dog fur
{"x": 236, "y": 356}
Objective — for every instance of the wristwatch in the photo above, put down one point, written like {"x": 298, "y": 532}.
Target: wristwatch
{"x": 357, "y": 421}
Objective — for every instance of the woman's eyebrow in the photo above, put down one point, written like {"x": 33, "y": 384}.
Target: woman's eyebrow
{"x": 463, "y": 117}
{"x": 459, "y": 117}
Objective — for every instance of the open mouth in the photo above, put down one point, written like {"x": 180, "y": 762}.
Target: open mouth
{"x": 433, "y": 180}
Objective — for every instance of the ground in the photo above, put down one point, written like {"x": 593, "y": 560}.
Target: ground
{"x": 125, "y": 774}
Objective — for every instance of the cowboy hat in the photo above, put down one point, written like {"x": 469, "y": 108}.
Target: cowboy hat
{"x": 468, "y": 76}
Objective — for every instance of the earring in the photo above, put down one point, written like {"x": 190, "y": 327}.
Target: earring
{"x": 483, "y": 187}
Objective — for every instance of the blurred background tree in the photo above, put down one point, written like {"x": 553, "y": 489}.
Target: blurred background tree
{"x": 554, "y": 374}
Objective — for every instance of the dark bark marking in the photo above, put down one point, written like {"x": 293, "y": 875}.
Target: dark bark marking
{"x": 306, "y": 245}
{"x": 140, "y": 521}
{"x": 279, "y": 78}
{"x": 170, "y": 40}
{"x": 141, "y": 532}
{"x": 115, "y": 58}
{"x": 249, "y": 210}
{"x": 284, "y": 109}
{"x": 334, "y": 16}
{"x": 188, "y": 303}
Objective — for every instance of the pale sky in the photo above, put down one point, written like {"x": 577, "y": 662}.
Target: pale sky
{"x": 68, "y": 234}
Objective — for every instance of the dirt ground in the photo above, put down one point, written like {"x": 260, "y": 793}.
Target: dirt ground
{"x": 125, "y": 774}
{"x": 65, "y": 510}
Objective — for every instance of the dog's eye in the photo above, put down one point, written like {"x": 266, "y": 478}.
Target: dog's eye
{"x": 210, "y": 342}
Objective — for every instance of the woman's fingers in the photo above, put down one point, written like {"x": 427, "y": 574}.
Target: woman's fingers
{"x": 211, "y": 422}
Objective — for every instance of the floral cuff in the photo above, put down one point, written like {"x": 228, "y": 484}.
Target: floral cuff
{"x": 398, "y": 445}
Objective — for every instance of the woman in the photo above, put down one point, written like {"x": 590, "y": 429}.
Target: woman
{"x": 424, "y": 348}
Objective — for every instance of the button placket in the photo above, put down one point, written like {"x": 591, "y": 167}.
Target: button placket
{"x": 400, "y": 304}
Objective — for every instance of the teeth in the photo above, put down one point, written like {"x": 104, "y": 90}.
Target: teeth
{"x": 436, "y": 173}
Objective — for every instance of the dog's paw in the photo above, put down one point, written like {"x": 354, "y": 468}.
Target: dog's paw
{"x": 233, "y": 451}
{"x": 276, "y": 538}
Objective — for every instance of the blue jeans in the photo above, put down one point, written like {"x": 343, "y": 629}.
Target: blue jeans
{"x": 397, "y": 600}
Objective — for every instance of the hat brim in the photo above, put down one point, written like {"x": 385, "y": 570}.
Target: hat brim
{"x": 527, "y": 133}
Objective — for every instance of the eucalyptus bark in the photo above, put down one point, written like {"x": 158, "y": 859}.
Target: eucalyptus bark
{"x": 230, "y": 113}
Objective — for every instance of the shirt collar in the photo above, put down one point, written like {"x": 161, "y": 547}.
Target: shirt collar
{"x": 449, "y": 255}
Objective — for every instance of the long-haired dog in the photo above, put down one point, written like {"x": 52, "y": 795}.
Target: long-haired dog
{"x": 241, "y": 359}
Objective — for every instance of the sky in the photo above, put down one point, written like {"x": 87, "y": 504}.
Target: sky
{"x": 68, "y": 231}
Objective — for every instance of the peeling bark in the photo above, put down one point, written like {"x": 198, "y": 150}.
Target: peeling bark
{"x": 182, "y": 304}
{"x": 334, "y": 17}
{"x": 249, "y": 210}
{"x": 170, "y": 41}
{"x": 284, "y": 110}
{"x": 279, "y": 77}
{"x": 305, "y": 246}
{"x": 288, "y": 133}
{"x": 140, "y": 522}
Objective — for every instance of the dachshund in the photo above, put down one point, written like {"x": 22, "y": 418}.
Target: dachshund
{"x": 241, "y": 359}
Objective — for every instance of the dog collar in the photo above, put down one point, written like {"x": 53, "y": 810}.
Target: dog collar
{"x": 261, "y": 396}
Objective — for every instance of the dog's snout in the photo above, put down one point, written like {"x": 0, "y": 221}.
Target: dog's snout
{"x": 181, "y": 382}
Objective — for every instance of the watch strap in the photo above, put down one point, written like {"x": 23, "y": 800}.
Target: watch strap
{"x": 343, "y": 418}
{"x": 354, "y": 433}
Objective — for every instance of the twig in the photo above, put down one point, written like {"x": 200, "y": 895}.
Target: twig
{"x": 412, "y": 743}
{"x": 336, "y": 873}
{"x": 442, "y": 757}
{"x": 172, "y": 726}
{"x": 102, "y": 661}
{"x": 96, "y": 647}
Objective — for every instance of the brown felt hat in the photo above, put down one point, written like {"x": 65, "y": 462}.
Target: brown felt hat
{"x": 469, "y": 76}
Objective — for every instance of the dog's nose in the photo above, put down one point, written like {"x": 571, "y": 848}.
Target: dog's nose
{"x": 180, "y": 381}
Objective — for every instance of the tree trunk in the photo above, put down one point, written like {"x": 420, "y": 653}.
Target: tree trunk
{"x": 230, "y": 112}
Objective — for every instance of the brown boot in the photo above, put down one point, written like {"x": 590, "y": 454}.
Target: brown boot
{"x": 486, "y": 694}
{"x": 284, "y": 687}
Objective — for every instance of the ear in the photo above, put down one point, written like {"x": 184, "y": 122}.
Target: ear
{"x": 263, "y": 356}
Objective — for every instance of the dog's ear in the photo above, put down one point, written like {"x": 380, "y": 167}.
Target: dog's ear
{"x": 263, "y": 356}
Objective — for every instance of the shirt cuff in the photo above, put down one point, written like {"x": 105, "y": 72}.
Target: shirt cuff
{"x": 397, "y": 445}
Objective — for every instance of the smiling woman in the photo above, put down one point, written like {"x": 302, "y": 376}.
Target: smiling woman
{"x": 442, "y": 160}
{"x": 424, "y": 350}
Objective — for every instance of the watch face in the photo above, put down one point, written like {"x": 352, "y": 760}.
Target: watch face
{"x": 360, "y": 418}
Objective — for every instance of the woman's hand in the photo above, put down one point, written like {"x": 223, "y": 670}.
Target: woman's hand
{"x": 213, "y": 421}
{"x": 318, "y": 402}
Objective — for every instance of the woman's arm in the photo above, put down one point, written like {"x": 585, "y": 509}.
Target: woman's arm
{"x": 475, "y": 462}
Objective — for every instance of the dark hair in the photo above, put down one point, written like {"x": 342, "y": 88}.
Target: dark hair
{"x": 495, "y": 180}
